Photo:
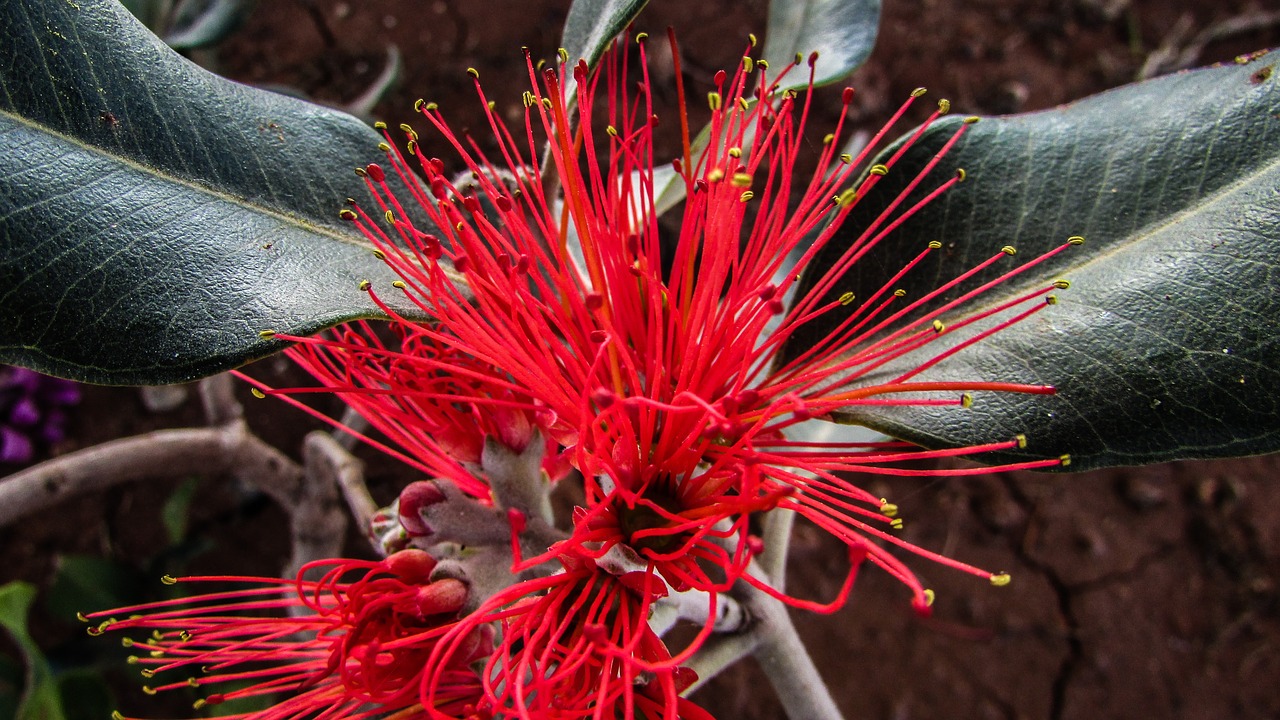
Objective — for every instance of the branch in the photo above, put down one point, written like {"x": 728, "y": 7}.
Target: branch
{"x": 771, "y": 637}
{"x": 227, "y": 450}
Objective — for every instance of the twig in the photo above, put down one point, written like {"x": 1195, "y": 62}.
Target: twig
{"x": 772, "y": 639}
{"x": 777, "y": 541}
{"x": 228, "y": 449}
{"x": 1172, "y": 55}
{"x": 347, "y": 472}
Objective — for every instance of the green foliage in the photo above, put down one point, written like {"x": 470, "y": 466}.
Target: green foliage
{"x": 842, "y": 32}
{"x": 154, "y": 218}
{"x": 1167, "y": 344}
{"x": 40, "y": 700}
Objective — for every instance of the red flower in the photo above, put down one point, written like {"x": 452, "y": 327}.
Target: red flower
{"x": 337, "y": 647}
{"x": 657, "y": 364}
{"x": 576, "y": 644}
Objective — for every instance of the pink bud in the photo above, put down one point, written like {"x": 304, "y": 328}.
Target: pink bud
{"x": 416, "y": 497}
{"x": 442, "y": 596}
{"x": 412, "y": 566}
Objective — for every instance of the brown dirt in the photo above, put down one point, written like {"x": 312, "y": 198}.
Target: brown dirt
{"x": 1137, "y": 592}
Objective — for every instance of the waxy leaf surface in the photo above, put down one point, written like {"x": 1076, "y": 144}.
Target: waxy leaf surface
{"x": 1167, "y": 345}
{"x": 154, "y": 218}
{"x": 842, "y": 32}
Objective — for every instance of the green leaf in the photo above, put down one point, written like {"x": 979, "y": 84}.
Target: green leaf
{"x": 84, "y": 694}
{"x": 1167, "y": 345}
{"x": 85, "y": 583}
{"x": 41, "y": 700}
{"x": 154, "y": 218}
{"x": 199, "y": 23}
{"x": 591, "y": 26}
{"x": 176, "y": 511}
{"x": 842, "y": 32}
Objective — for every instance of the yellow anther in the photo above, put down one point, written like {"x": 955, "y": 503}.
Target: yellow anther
{"x": 199, "y": 704}
{"x": 847, "y": 198}
{"x": 257, "y": 393}
{"x": 156, "y": 653}
{"x": 1075, "y": 240}
{"x": 938, "y": 326}
{"x": 406, "y": 127}
{"x": 347, "y": 214}
{"x": 641, "y": 37}
{"x": 846, "y": 298}
{"x": 168, "y": 580}
{"x": 971, "y": 119}
{"x": 716, "y": 175}
{"x": 966, "y": 400}
{"x": 365, "y": 285}
{"x": 888, "y": 509}
{"x": 1022, "y": 440}
{"x": 747, "y": 64}
{"x": 1062, "y": 284}
{"x": 944, "y": 106}
{"x": 1009, "y": 250}
{"x": 546, "y": 103}
{"x": 417, "y": 104}
{"x": 193, "y": 682}
{"x": 384, "y": 147}
{"x": 398, "y": 284}
{"x": 379, "y": 254}
{"x": 266, "y": 334}
{"x": 115, "y": 715}
{"x": 799, "y": 58}
{"x": 81, "y": 617}
{"x": 900, "y": 293}
{"x": 473, "y": 72}
{"x": 460, "y": 226}
{"x": 148, "y": 690}
{"x": 918, "y": 92}
{"x": 1001, "y": 579}
{"x": 564, "y": 55}
{"x": 379, "y": 125}
{"x": 390, "y": 216}
{"x": 1051, "y": 299}
{"x": 935, "y": 244}
{"x": 157, "y": 636}
{"x": 735, "y": 152}
{"x": 762, "y": 64}
{"x": 743, "y": 105}
{"x": 896, "y": 523}
{"x": 746, "y": 196}
{"x": 961, "y": 175}
{"x": 132, "y": 660}
{"x": 1065, "y": 460}
{"x": 826, "y": 140}
{"x": 846, "y": 158}
{"x": 929, "y": 597}
{"x": 528, "y": 98}
{"x": 740, "y": 180}
{"x": 611, "y": 131}
{"x": 360, "y": 172}
{"x": 713, "y": 100}
{"x": 539, "y": 65}
{"x": 751, "y": 37}
{"x": 878, "y": 169}
{"x": 184, "y": 635}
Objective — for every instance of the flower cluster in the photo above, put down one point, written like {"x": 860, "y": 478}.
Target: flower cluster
{"x": 567, "y": 330}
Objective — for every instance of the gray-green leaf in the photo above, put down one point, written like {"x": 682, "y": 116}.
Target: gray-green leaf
{"x": 842, "y": 32}
{"x": 154, "y": 217}
{"x": 1167, "y": 345}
